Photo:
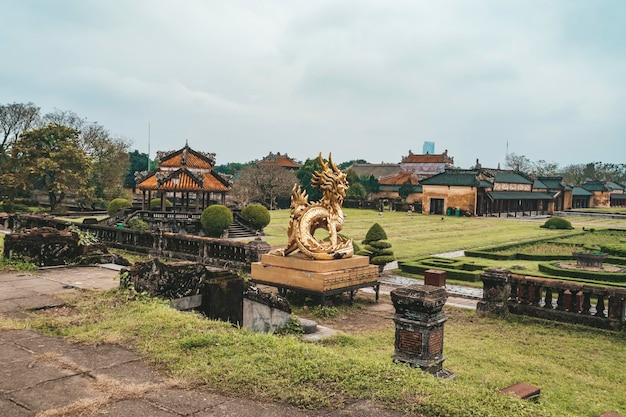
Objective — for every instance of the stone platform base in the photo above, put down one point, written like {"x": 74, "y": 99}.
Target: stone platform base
{"x": 322, "y": 278}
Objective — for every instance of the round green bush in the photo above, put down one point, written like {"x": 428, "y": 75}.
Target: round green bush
{"x": 256, "y": 214}
{"x": 557, "y": 223}
{"x": 376, "y": 232}
{"x": 155, "y": 204}
{"x": 138, "y": 224}
{"x": 215, "y": 219}
{"x": 117, "y": 204}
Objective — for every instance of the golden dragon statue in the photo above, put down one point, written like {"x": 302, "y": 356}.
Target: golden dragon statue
{"x": 326, "y": 213}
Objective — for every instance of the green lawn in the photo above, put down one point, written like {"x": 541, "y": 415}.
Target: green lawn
{"x": 579, "y": 370}
{"x": 420, "y": 235}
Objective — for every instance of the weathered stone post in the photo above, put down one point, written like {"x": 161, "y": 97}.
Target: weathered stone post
{"x": 255, "y": 249}
{"x": 419, "y": 323}
{"x": 496, "y": 291}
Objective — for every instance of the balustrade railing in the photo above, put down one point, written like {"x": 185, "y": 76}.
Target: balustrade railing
{"x": 220, "y": 252}
{"x": 572, "y": 302}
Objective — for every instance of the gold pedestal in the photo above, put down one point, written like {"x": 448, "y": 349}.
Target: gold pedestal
{"x": 323, "y": 278}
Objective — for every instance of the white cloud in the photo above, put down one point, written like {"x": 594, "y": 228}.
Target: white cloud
{"x": 364, "y": 79}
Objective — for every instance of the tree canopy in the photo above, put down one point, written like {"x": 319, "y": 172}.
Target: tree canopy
{"x": 52, "y": 159}
{"x": 269, "y": 185}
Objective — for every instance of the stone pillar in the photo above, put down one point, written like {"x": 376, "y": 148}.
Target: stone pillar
{"x": 255, "y": 249}
{"x": 419, "y": 323}
{"x": 496, "y": 291}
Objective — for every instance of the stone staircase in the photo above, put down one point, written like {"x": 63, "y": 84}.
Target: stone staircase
{"x": 236, "y": 230}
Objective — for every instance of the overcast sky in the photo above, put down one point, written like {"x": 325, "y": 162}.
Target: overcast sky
{"x": 361, "y": 79}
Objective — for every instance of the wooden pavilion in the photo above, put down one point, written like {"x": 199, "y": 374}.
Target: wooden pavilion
{"x": 186, "y": 178}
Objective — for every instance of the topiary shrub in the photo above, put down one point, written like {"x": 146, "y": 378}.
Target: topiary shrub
{"x": 378, "y": 250}
{"x": 557, "y": 223}
{"x": 138, "y": 224}
{"x": 376, "y": 232}
{"x": 257, "y": 215}
{"x": 155, "y": 204}
{"x": 215, "y": 219}
{"x": 117, "y": 204}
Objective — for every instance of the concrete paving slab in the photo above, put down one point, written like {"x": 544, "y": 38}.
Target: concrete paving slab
{"x": 8, "y": 306}
{"x": 137, "y": 408}
{"x": 100, "y": 357}
{"x": 12, "y": 354}
{"x": 242, "y": 407}
{"x": 55, "y": 393}
{"x": 364, "y": 409}
{"x": 10, "y": 409}
{"x": 40, "y": 344}
{"x": 13, "y": 293}
{"x": 10, "y": 336}
{"x": 20, "y": 375}
{"x": 11, "y": 277}
{"x": 38, "y": 302}
{"x": 131, "y": 372}
{"x": 86, "y": 277}
{"x": 184, "y": 401}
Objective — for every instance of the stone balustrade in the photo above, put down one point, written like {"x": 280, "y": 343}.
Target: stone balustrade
{"x": 218, "y": 252}
{"x": 551, "y": 299}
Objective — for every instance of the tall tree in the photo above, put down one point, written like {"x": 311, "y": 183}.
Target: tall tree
{"x": 109, "y": 160}
{"x": 109, "y": 155}
{"x": 518, "y": 163}
{"x": 52, "y": 159}
{"x": 138, "y": 162}
{"x": 573, "y": 174}
{"x": 406, "y": 189}
{"x": 266, "y": 184}
{"x": 15, "y": 118}
{"x": 344, "y": 165}
{"x": 370, "y": 183}
{"x": 304, "y": 174}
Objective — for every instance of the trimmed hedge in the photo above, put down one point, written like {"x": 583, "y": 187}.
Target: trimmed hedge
{"x": 215, "y": 219}
{"x": 592, "y": 276}
{"x": 155, "y": 204}
{"x": 418, "y": 268}
{"x": 117, "y": 204}
{"x": 257, "y": 215}
{"x": 617, "y": 249}
{"x": 376, "y": 232}
{"x": 557, "y": 223}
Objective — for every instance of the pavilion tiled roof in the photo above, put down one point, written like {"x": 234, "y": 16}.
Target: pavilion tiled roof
{"x": 186, "y": 157}
{"x": 281, "y": 160}
{"x": 377, "y": 170}
{"x": 184, "y": 180}
{"x": 399, "y": 179}
{"x": 428, "y": 158}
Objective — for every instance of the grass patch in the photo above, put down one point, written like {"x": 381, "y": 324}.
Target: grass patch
{"x": 423, "y": 235}
{"x": 578, "y": 369}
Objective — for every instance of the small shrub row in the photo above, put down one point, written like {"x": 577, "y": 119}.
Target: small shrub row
{"x": 616, "y": 249}
{"x": 418, "y": 268}
{"x": 557, "y": 223}
{"x": 591, "y": 276}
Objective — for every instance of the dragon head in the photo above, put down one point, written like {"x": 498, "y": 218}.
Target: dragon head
{"x": 331, "y": 181}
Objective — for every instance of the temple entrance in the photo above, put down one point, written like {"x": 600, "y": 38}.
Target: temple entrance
{"x": 436, "y": 205}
